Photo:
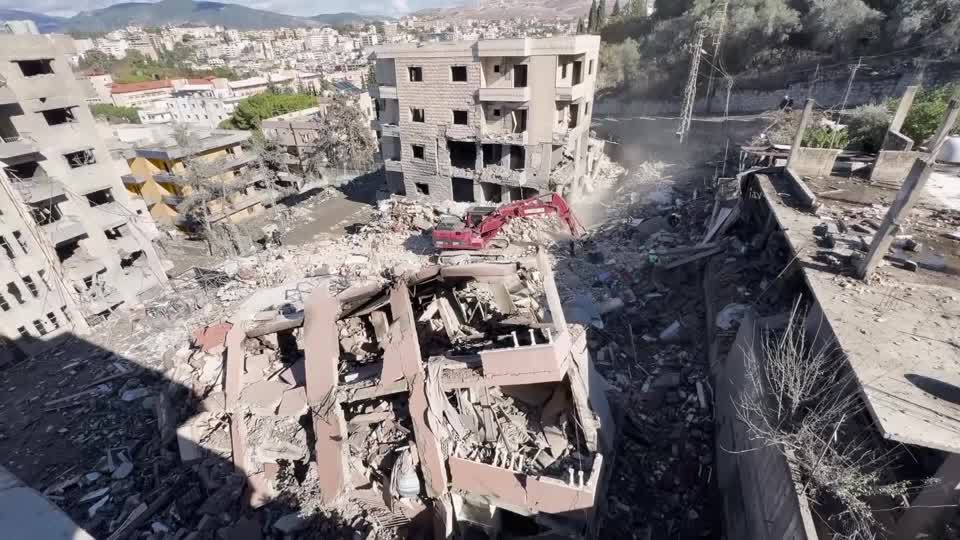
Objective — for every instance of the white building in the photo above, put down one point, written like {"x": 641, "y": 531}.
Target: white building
{"x": 19, "y": 27}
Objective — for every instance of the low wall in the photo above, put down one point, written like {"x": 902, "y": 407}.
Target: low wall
{"x": 870, "y": 86}
{"x": 892, "y": 167}
{"x": 813, "y": 162}
{"x": 759, "y": 496}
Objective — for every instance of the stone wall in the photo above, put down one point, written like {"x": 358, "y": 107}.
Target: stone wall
{"x": 870, "y": 86}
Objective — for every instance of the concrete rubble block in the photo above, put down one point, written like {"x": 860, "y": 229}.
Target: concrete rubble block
{"x": 205, "y": 432}
{"x": 212, "y": 336}
{"x": 322, "y": 356}
{"x": 428, "y": 445}
{"x": 295, "y": 375}
{"x": 263, "y": 397}
{"x": 293, "y": 403}
{"x": 527, "y": 364}
{"x": 255, "y": 366}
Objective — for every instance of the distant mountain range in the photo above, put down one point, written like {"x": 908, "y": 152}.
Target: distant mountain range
{"x": 174, "y": 12}
{"x": 512, "y": 9}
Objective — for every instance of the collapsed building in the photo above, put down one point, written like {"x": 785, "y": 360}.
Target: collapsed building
{"x": 458, "y": 393}
{"x": 488, "y": 120}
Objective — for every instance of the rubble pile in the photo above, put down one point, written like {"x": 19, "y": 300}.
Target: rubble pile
{"x": 360, "y": 410}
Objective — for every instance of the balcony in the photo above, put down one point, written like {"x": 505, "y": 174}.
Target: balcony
{"x": 168, "y": 178}
{"x": 11, "y": 147}
{"x": 171, "y": 200}
{"x": 64, "y": 229}
{"x": 132, "y": 180}
{"x": 563, "y": 135}
{"x": 109, "y": 215}
{"x": 506, "y": 94}
{"x": 39, "y": 189}
{"x": 571, "y": 93}
{"x": 387, "y": 129}
{"x": 493, "y": 136}
{"x": 392, "y": 165}
{"x": 386, "y": 92}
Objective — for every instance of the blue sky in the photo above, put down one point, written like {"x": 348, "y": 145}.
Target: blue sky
{"x": 290, "y": 7}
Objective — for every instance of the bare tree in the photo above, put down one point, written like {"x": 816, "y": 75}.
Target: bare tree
{"x": 803, "y": 400}
{"x": 343, "y": 140}
{"x": 207, "y": 184}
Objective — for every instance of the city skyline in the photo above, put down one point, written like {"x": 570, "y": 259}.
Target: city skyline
{"x": 300, "y": 8}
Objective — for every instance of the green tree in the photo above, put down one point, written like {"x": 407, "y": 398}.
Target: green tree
{"x": 97, "y": 61}
{"x": 619, "y": 64}
{"x": 616, "y": 8}
{"x": 927, "y": 112}
{"x": 252, "y": 110}
{"x": 114, "y": 114}
{"x": 592, "y": 17}
{"x": 668, "y": 9}
{"x": 916, "y": 20}
{"x": 601, "y": 15}
{"x": 580, "y": 28}
{"x": 841, "y": 26}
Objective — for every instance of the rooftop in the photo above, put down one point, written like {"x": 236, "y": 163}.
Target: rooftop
{"x": 563, "y": 45}
{"x": 899, "y": 331}
{"x": 200, "y": 142}
{"x": 139, "y": 87}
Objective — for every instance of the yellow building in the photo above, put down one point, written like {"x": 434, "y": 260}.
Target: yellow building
{"x": 158, "y": 177}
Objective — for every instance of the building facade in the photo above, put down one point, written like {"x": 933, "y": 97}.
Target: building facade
{"x": 159, "y": 177}
{"x": 489, "y": 120}
{"x": 73, "y": 246}
{"x": 140, "y": 94}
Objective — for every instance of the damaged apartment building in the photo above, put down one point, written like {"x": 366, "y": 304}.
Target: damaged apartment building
{"x": 72, "y": 245}
{"x": 488, "y": 120}
{"x": 456, "y": 392}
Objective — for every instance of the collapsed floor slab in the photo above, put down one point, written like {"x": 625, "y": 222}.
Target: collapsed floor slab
{"x": 430, "y": 388}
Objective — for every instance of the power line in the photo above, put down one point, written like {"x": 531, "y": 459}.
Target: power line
{"x": 717, "y": 40}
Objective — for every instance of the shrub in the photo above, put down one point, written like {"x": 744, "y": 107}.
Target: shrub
{"x": 867, "y": 126}
{"x": 927, "y": 112}
{"x": 825, "y": 137}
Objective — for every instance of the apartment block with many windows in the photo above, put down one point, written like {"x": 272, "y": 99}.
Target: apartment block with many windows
{"x": 73, "y": 246}
{"x": 488, "y": 120}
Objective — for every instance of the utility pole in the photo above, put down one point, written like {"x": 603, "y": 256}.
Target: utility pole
{"x": 717, "y": 41}
{"x": 812, "y": 87}
{"x": 690, "y": 92}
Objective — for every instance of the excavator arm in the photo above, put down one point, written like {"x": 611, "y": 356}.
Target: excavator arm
{"x": 480, "y": 235}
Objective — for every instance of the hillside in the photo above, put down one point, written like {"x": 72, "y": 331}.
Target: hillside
{"x": 508, "y": 9}
{"x": 45, "y": 23}
{"x": 346, "y": 17}
{"x": 179, "y": 12}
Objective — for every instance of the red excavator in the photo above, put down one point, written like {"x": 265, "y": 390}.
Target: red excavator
{"x": 483, "y": 223}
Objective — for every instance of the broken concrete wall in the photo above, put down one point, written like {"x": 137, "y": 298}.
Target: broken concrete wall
{"x": 760, "y": 498}
{"x": 814, "y": 162}
{"x": 892, "y": 167}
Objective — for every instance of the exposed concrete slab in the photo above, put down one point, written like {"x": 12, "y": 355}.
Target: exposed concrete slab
{"x": 814, "y": 162}
{"x": 25, "y": 514}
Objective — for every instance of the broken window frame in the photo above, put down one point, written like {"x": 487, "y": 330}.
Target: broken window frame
{"x": 22, "y": 330}
{"x": 20, "y": 240}
{"x": 4, "y": 305}
{"x": 7, "y": 248}
{"x": 455, "y": 71}
{"x": 415, "y": 73}
{"x": 68, "y": 116}
{"x": 80, "y": 158}
{"x": 44, "y": 66}
{"x": 40, "y": 328}
{"x": 419, "y": 149}
{"x": 52, "y": 317}
{"x": 415, "y": 113}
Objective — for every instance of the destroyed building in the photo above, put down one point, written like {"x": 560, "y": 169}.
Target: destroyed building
{"x": 488, "y": 120}
{"x": 73, "y": 244}
{"x": 458, "y": 393}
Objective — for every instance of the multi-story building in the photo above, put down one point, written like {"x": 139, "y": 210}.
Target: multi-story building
{"x": 160, "y": 176}
{"x": 485, "y": 120}
{"x": 73, "y": 246}
{"x": 19, "y": 27}
{"x": 98, "y": 86}
{"x": 140, "y": 94}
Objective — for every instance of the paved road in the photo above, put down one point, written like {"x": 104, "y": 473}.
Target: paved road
{"x": 330, "y": 217}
